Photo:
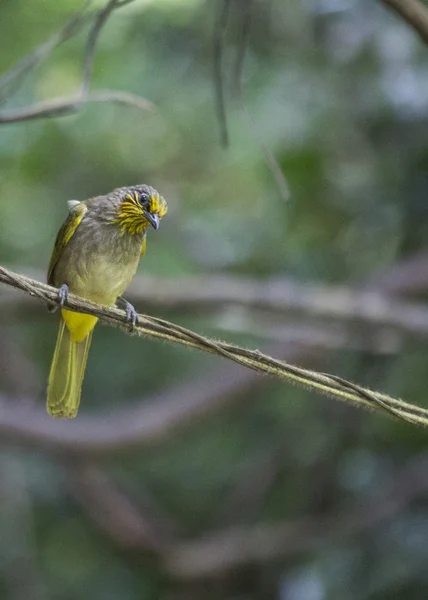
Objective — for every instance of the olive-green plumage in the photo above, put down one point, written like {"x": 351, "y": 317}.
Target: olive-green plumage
{"x": 95, "y": 256}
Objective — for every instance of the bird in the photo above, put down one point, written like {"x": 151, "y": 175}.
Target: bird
{"x": 95, "y": 256}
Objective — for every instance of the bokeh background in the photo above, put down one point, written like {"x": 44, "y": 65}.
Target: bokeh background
{"x": 185, "y": 477}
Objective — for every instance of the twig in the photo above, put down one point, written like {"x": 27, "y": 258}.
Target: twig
{"x": 18, "y": 72}
{"x": 245, "y": 9}
{"x": 218, "y": 48}
{"x": 245, "y": 13}
{"x": 269, "y": 158}
{"x": 57, "y": 107}
{"x": 95, "y": 31}
{"x": 413, "y": 12}
{"x": 252, "y": 359}
{"x": 64, "y": 106}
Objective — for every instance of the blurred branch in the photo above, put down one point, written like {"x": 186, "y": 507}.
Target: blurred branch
{"x": 406, "y": 277}
{"x": 20, "y": 575}
{"x": 415, "y": 13}
{"x": 269, "y": 158}
{"x": 245, "y": 8}
{"x": 218, "y": 49}
{"x": 262, "y": 322}
{"x": 280, "y": 296}
{"x": 99, "y": 22}
{"x": 355, "y": 319}
{"x": 229, "y": 549}
{"x": 144, "y": 425}
{"x": 13, "y": 362}
{"x": 321, "y": 336}
{"x": 18, "y": 72}
{"x": 330, "y": 385}
{"x": 115, "y": 513}
{"x": 63, "y": 106}
{"x": 57, "y": 107}
{"x": 251, "y": 485}
{"x": 244, "y": 11}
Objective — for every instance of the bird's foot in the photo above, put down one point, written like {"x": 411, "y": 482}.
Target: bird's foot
{"x": 63, "y": 294}
{"x": 131, "y": 313}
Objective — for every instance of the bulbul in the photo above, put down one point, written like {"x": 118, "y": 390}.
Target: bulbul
{"x": 95, "y": 256}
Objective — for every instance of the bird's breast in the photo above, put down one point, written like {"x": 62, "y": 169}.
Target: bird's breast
{"x": 99, "y": 262}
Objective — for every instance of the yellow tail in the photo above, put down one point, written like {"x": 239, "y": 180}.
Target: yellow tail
{"x": 67, "y": 371}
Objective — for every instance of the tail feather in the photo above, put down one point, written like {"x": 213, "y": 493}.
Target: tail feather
{"x": 67, "y": 372}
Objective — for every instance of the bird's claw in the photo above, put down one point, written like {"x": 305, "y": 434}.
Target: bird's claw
{"x": 131, "y": 313}
{"x": 63, "y": 294}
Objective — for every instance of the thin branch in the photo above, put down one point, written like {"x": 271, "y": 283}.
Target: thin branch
{"x": 269, "y": 158}
{"x": 415, "y": 13}
{"x": 94, "y": 33}
{"x": 218, "y": 50}
{"x": 64, "y": 106}
{"x": 18, "y": 72}
{"x": 245, "y": 8}
{"x": 119, "y": 97}
{"x": 57, "y": 107}
{"x": 252, "y": 359}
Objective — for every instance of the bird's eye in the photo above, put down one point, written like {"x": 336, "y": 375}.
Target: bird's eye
{"x": 144, "y": 199}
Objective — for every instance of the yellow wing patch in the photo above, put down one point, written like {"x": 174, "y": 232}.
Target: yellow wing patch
{"x": 65, "y": 234}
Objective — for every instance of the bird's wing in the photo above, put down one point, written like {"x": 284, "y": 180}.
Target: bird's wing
{"x": 77, "y": 212}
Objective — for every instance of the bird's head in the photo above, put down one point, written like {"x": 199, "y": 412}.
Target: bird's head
{"x": 139, "y": 207}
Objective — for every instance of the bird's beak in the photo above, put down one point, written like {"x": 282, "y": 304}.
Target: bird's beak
{"x": 152, "y": 218}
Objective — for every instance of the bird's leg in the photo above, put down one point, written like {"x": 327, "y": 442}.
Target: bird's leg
{"x": 63, "y": 294}
{"x": 131, "y": 313}
{"x": 62, "y": 297}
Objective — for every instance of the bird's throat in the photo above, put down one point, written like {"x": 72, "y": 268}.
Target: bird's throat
{"x": 130, "y": 218}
